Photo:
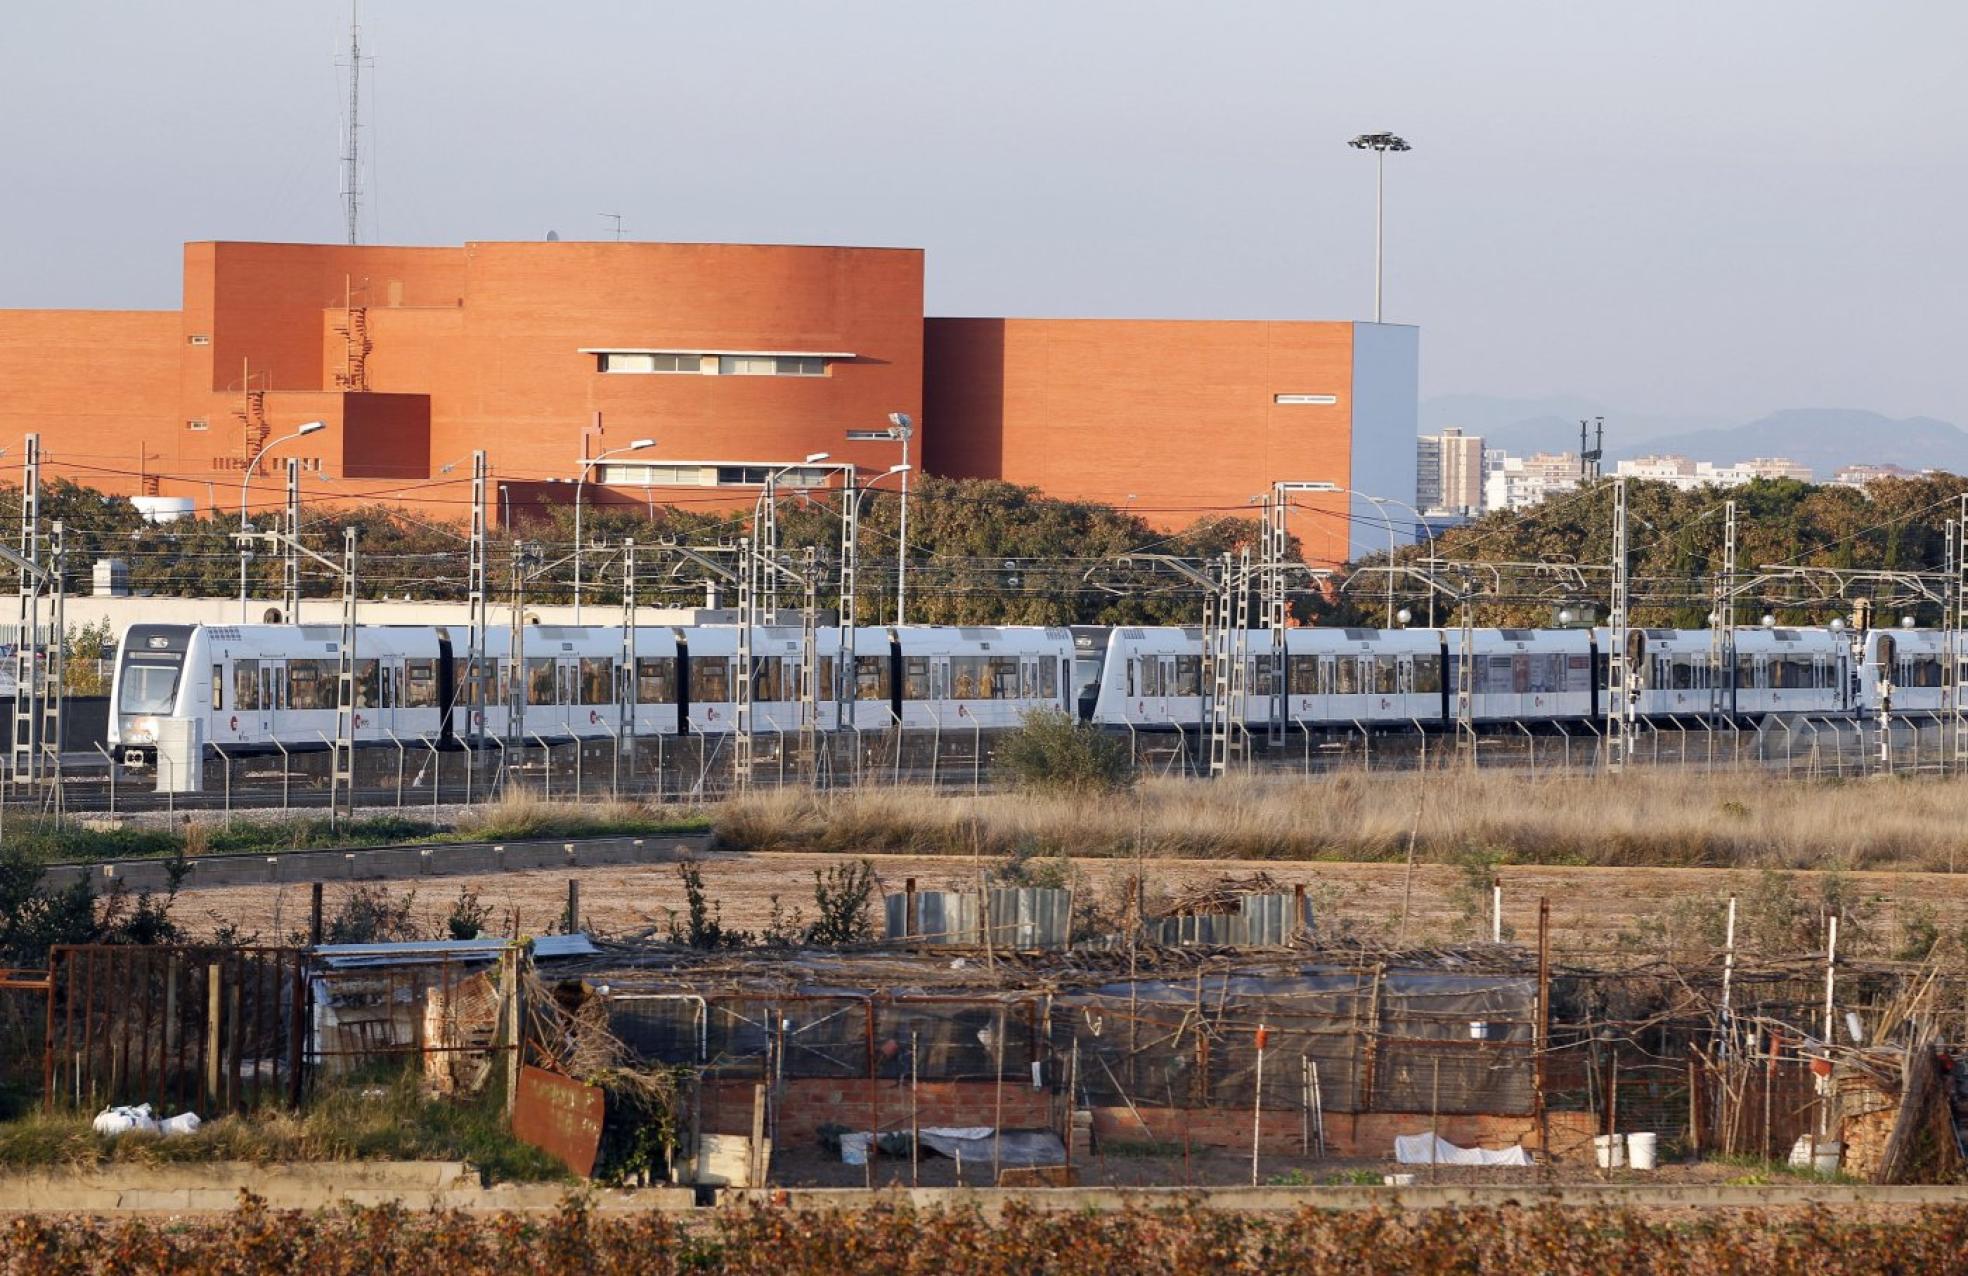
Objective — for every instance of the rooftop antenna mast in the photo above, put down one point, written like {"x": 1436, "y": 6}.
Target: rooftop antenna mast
{"x": 351, "y": 162}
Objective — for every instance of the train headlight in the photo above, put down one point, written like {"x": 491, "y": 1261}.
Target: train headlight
{"x": 142, "y": 731}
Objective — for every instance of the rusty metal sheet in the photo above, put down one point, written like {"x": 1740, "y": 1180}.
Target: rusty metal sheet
{"x": 560, "y": 1116}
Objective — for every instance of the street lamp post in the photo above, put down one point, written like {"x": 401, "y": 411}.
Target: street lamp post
{"x": 901, "y": 428}
{"x": 1282, "y": 492}
{"x": 586, "y": 466}
{"x": 245, "y": 549}
{"x": 1379, "y": 144}
{"x": 765, "y": 525}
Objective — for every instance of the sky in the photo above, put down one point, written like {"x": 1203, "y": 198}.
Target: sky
{"x": 1673, "y": 207}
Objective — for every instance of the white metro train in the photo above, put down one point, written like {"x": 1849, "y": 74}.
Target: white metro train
{"x": 266, "y": 687}
{"x": 1337, "y": 678}
{"x": 250, "y": 687}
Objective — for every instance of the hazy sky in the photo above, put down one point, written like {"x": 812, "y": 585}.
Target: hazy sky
{"x": 1721, "y": 206}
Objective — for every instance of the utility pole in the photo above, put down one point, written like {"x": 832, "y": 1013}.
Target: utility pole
{"x": 28, "y": 644}
{"x": 625, "y": 677}
{"x": 741, "y": 691}
{"x": 476, "y": 695}
{"x": 1958, "y": 653}
{"x": 1590, "y": 464}
{"x": 1722, "y": 628}
{"x": 290, "y": 559}
{"x": 1619, "y": 697}
{"x": 342, "y": 783}
{"x": 844, "y": 675}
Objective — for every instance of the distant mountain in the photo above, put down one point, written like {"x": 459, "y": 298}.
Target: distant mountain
{"x": 1826, "y": 439}
{"x": 1549, "y": 424}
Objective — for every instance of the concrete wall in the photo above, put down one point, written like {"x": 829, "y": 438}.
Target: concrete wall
{"x": 1386, "y": 425}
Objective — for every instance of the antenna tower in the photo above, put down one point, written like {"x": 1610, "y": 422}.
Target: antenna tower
{"x": 351, "y": 162}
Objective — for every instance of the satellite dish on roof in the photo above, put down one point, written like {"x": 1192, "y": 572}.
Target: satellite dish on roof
{"x": 553, "y": 236}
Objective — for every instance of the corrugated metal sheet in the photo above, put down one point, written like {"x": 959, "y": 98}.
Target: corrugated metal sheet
{"x": 1261, "y": 921}
{"x": 1023, "y": 917}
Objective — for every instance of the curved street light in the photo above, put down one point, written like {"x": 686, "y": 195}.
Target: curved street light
{"x": 245, "y": 550}
{"x": 587, "y": 466}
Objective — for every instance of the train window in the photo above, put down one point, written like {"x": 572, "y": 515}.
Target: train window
{"x": 419, "y": 684}
{"x": 1428, "y": 674}
{"x": 915, "y": 678}
{"x": 1349, "y": 676}
{"x": 310, "y": 685}
{"x": 1304, "y": 674}
{"x": 540, "y": 680}
{"x": 368, "y": 691}
{"x": 1326, "y": 680}
{"x": 970, "y": 678}
{"x": 1004, "y": 678}
{"x": 1260, "y": 675}
{"x": 1385, "y": 680}
{"x": 655, "y": 680}
{"x": 1188, "y": 675}
{"x": 1129, "y": 666}
{"x": 1927, "y": 673}
{"x": 597, "y": 680}
{"x": 567, "y": 682}
{"x": 710, "y": 681}
{"x": 246, "y": 684}
{"x": 824, "y": 669}
{"x": 1049, "y": 677}
{"x": 1028, "y": 680}
{"x": 1746, "y": 671}
{"x": 1578, "y": 673}
{"x": 871, "y": 680}
{"x": 218, "y": 687}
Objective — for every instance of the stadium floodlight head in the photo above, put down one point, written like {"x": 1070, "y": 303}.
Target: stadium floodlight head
{"x": 311, "y": 427}
{"x": 1382, "y": 142}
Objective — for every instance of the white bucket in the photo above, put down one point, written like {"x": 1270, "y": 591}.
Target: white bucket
{"x": 1640, "y": 1151}
{"x": 1610, "y": 1149}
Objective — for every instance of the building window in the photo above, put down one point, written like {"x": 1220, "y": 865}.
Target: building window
{"x": 199, "y": 424}
{"x": 753, "y": 365}
{"x": 618, "y": 361}
{"x": 199, "y": 339}
{"x": 1319, "y": 400}
{"x": 754, "y": 476}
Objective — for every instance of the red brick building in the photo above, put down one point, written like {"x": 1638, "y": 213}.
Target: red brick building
{"x": 733, "y": 358}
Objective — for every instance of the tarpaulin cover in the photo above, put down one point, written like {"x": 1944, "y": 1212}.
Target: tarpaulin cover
{"x": 1427, "y": 1149}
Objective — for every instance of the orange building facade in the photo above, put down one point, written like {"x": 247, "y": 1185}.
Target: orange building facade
{"x": 734, "y": 359}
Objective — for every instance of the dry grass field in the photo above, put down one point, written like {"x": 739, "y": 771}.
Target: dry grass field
{"x": 1655, "y": 818}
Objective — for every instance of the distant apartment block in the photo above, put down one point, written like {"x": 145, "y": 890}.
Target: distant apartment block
{"x": 1517, "y": 482}
{"x": 1449, "y": 472}
{"x": 1860, "y": 475}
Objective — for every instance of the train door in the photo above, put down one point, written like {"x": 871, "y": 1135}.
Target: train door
{"x": 567, "y": 690}
{"x": 389, "y": 693}
{"x": 1324, "y": 706}
{"x": 273, "y": 697}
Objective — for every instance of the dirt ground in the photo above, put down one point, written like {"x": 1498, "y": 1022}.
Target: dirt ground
{"x": 1590, "y": 907}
